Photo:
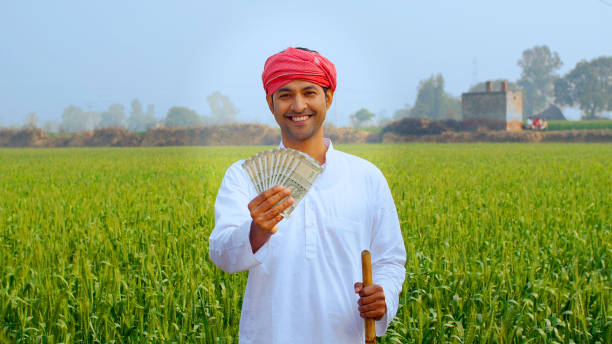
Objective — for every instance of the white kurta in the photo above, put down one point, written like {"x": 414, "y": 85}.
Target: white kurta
{"x": 300, "y": 285}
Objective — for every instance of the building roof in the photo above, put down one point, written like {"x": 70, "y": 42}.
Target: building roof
{"x": 552, "y": 112}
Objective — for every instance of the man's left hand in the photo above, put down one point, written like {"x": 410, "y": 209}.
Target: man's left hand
{"x": 371, "y": 301}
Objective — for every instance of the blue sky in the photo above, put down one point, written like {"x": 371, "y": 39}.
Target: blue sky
{"x": 166, "y": 53}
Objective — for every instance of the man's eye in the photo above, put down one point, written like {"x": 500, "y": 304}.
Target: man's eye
{"x": 283, "y": 95}
{"x": 310, "y": 93}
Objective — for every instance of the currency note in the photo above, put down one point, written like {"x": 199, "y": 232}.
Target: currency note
{"x": 290, "y": 168}
{"x": 299, "y": 182}
{"x": 247, "y": 167}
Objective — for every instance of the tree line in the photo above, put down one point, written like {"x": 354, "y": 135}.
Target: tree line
{"x": 75, "y": 119}
{"x": 587, "y": 86}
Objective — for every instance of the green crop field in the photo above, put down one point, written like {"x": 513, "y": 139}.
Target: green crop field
{"x": 579, "y": 125}
{"x": 506, "y": 243}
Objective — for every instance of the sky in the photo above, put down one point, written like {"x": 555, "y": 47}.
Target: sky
{"x": 176, "y": 53}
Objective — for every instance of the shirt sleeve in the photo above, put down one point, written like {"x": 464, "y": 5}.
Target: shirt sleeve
{"x": 388, "y": 253}
{"x": 229, "y": 245}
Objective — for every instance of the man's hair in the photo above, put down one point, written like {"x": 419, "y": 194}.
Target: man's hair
{"x": 305, "y": 49}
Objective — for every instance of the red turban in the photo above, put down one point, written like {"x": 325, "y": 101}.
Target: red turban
{"x": 292, "y": 64}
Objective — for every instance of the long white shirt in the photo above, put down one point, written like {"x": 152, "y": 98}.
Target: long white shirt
{"x": 300, "y": 287}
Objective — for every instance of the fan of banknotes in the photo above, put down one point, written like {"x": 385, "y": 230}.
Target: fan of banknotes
{"x": 289, "y": 168}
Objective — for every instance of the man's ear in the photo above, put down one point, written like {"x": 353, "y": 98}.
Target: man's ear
{"x": 329, "y": 97}
{"x": 270, "y": 102}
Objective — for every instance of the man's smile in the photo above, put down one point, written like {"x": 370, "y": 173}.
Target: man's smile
{"x": 299, "y": 118}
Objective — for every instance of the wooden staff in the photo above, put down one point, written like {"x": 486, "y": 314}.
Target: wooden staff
{"x": 366, "y": 268}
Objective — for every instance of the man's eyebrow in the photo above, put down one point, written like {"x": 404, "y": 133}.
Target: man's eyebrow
{"x": 287, "y": 89}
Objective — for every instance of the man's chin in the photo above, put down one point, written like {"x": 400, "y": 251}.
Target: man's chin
{"x": 300, "y": 135}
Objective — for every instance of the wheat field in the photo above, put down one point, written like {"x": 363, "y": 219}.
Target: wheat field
{"x": 506, "y": 243}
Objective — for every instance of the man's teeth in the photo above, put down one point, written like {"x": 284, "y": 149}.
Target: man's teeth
{"x": 300, "y": 118}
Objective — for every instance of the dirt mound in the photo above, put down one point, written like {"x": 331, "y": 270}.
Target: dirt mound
{"x": 424, "y": 126}
{"x": 233, "y": 134}
{"x": 415, "y": 126}
{"x": 5, "y": 137}
{"x": 23, "y": 138}
{"x": 114, "y": 137}
{"x": 349, "y": 135}
{"x": 105, "y": 137}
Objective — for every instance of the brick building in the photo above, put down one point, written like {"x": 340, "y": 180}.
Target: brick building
{"x": 497, "y": 110}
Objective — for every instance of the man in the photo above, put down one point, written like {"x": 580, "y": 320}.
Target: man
{"x": 304, "y": 271}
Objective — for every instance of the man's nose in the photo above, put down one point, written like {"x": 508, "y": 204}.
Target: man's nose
{"x": 299, "y": 104}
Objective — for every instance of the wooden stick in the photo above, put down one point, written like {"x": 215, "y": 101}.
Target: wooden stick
{"x": 366, "y": 269}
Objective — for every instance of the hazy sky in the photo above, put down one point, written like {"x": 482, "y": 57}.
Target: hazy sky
{"x": 166, "y": 53}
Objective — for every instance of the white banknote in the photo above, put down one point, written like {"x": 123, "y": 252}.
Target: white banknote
{"x": 289, "y": 168}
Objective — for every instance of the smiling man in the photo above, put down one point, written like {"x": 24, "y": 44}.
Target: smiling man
{"x": 304, "y": 271}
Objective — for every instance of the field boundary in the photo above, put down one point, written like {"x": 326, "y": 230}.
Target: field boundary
{"x": 569, "y": 136}
{"x": 259, "y": 134}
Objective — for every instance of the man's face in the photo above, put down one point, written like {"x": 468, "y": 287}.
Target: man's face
{"x": 299, "y": 108}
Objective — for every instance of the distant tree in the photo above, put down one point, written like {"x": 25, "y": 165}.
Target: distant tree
{"x": 51, "y": 127}
{"x": 149, "y": 120}
{"x": 221, "y": 108}
{"x": 136, "y": 108}
{"x": 92, "y": 119}
{"x": 361, "y": 118}
{"x": 139, "y": 121}
{"x": 538, "y": 78}
{"x": 588, "y": 85}
{"x": 384, "y": 121}
{"x": 402, "y": 113}
{"x": 329, "y": 125}
{"x": 114, "y": 117}
{"x": 73, "y": 119}
{"x": 31, "y": 121}
{"x": 453, "y": 108}
{"x": 433, "y": 102}
{"x": 134, "y": 122}
{"x": 179, "y": 116}
{"x": 480, "y": 87}
{"x": 150, "y": 111}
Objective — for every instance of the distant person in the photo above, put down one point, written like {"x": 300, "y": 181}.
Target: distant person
{"x": 537, "y": 123}
{"x": 529, "y": 123}
{"x": 304, "y": 270}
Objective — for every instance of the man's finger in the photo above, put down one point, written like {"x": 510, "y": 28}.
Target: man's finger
{"x": 271, "y": 201}
{"x": 272, "y": 224}
{"x": 358, "y": 286}
{"x": 263, "y": 196}
{"x": 277, "y": 209}
{"x": 370, "y": 289}
{"x": 364, "y": 300}
{"x": 378, "y": 305}
{"x": 376, "y": 315}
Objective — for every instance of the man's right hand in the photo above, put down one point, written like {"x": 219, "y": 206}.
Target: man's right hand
{"x": 266, "y": 214}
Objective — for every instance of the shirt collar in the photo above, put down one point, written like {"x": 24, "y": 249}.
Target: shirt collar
{"x": 327, "y": 142}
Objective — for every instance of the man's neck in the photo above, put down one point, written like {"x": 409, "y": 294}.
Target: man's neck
{"x": 313, "y": 147}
